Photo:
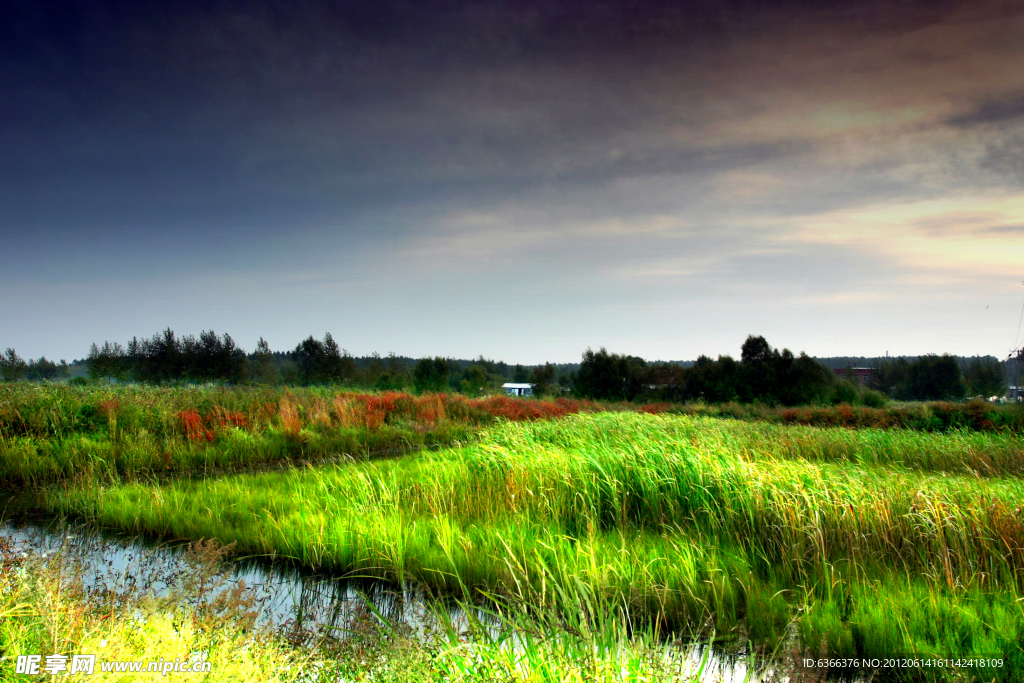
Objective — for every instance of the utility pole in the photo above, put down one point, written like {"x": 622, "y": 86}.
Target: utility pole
{"x": 1013, "y": 363}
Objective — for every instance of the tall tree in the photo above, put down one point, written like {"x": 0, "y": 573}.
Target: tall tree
{"x": 264, "y": 369}
{"x": 374, "y": 369}
{"x": 431, "y": 374}
{"x": 395, "y": 375}
{"x": 985, "y": 377}
{"x": 714, "y": 381}
{"x": 107, "y": 362}
{"x": 761, "y": 366}
{"x": 475, "y": 380}
{"x": 891, "y": 378}
{"x": 668, "y": 382}
{"x": 542, "y": 378}
{"x": 933, "y": 377}
{"x": 611, "y": 377}
{"x": 46, "y": 370}
{"x": 322, "y": 362}
{"x": 12, "y": 366}
{"x": 160, "y": 358}
{"x": 309, "y": 357}
{"x": 338, "y": 365}
{"x": 805, "y": 381}
{"x": 520, "y": 374}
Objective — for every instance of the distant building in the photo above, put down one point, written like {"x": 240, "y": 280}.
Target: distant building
{"x": 513, "y": 389}
{"x": 861, "y": 375}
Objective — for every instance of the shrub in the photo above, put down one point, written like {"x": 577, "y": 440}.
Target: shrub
{"x": 874, "y": 399}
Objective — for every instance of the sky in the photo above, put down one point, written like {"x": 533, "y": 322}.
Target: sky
{"x": 518, "y": 180}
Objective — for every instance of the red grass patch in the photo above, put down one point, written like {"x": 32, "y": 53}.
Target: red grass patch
{"x": 516, "y": 409}
{"x": 192, "y": 423}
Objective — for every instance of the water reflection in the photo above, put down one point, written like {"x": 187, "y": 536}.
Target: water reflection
{"x": 303, "y": 604}
{"x": 288, "y": 597}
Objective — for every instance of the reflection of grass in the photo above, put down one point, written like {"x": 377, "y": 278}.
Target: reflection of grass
{"x": 49, "y": 612}
{"x": 687, "y": 522}
{"x": 44, "y": 609}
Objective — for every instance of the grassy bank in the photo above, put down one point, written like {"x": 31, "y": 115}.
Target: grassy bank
{"x": 51, "y": 433}
{"x": 869, "y": 543}
{"x": 935, "y": 416}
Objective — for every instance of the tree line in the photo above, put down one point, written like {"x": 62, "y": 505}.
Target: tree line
{"x": 13, "y": 367}
{"x": 773, "y": 377}
{"x": 940, "y": 378}
{"x": 168, "y": 358}
{"x": 762, "y": 374}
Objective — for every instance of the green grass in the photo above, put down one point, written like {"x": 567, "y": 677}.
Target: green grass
{"x": 870, "y": 543}
{"x": 958, "y": 451}
{"x": 933, "y": 416}
{"x": 97, "y": 435}
{"x": 45, "y": 609}
{"x": 54, "y": 433}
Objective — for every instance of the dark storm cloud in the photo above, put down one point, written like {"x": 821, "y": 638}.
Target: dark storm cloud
{"x": 124, "y": 114}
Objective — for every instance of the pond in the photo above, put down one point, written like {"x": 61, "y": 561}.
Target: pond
{"x": 301, "y": 603}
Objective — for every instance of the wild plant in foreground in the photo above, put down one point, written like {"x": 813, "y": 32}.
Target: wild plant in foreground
{"x": 688, "y": 522}
{"x": 47, "y": 610}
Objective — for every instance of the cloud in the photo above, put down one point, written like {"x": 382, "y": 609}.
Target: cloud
{"x": 706, "y": 164}
{"x": 958, "y": 223}
{"x": 1004, "y": 157}
{"x": 1001, "y": 110}
{"x": 528, "y": 233}
{"x": 957, "y": 238}
{"x": 1013, "y": 228}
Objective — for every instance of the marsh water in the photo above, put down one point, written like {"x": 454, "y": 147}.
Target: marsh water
{"x": 301, "y": 603}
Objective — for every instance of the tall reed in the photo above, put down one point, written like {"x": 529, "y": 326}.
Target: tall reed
{"x": 53, "y": 433}
{"x": 695, "y": 523}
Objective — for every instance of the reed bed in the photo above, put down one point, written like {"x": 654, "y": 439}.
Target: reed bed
{"x": 958, "y": 451}
{"x": 934, "y": 416}
{"x": 46, "y": 609}
{"x": 867, "y": 542}
{"x": 52, "y": 433}
{"x": 58, "y": 410}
